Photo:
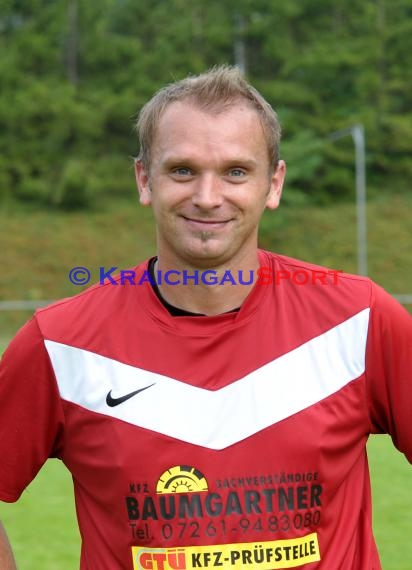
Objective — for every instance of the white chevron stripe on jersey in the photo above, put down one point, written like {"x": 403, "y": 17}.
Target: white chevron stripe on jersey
{"x": 216, "y": 419}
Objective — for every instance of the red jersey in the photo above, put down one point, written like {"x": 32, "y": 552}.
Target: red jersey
{"x": 234, "y": 441}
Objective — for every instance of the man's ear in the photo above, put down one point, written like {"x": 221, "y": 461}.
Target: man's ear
{"x": 143, "y": 183}
{"x": 276, "y": 184}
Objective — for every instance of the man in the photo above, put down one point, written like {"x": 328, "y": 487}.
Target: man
{"x": 212, "y": 425}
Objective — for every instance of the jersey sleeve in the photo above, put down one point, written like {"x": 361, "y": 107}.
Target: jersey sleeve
{"x": 31, "y": 414}
{"x": 389, "y": 370}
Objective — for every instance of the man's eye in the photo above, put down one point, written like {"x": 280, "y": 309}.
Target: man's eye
{"x": 182, "y": 171}
{"x": 237, "y": 172}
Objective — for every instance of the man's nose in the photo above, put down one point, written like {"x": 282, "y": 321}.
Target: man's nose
{"x": 207, "y": 191}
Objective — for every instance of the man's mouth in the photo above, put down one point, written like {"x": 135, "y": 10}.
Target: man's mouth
{"x": 206, "y": 223}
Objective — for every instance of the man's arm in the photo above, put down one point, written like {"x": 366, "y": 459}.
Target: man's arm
{"x": 389, "y": 371}
{"x": 6, "y": 555}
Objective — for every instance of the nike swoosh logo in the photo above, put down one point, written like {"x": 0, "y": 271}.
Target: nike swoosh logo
{"x": 112, "y": 402}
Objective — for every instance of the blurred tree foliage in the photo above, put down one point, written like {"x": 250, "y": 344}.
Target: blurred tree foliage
{"x": 74, "y": 73}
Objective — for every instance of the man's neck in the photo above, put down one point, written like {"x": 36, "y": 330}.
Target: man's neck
{"x": 210, "y": 291}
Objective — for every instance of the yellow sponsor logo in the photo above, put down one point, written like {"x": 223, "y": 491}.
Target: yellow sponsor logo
{"x": 181, "y": 479}
{"x": 269, "y": 555}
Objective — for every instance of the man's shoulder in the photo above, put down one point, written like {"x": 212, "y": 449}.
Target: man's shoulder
{"x": 329, "y": 287}
{"x": 98, "y": 301}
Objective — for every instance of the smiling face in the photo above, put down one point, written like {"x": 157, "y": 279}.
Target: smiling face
{"x": 209, "y": 182}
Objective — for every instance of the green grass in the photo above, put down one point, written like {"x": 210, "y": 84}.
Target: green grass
{"x": 42, "y": 525}
{"x": 327, "y": 236}
{"x": 391, "y": 483}
{"x": 40, "y": 247}
{"x": 44, "y": 534}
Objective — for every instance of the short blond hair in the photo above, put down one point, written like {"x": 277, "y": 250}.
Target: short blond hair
{"x": 215, "y": 91}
